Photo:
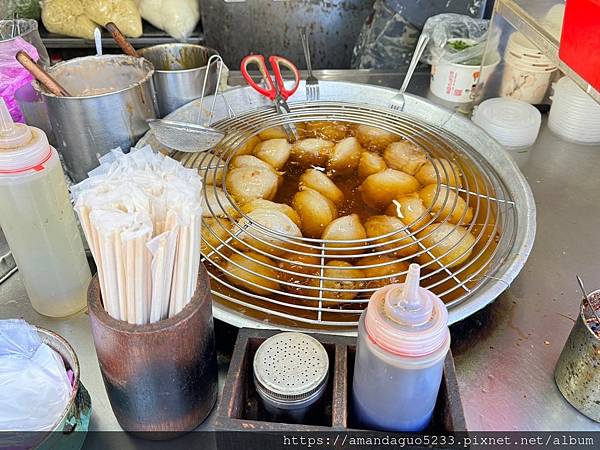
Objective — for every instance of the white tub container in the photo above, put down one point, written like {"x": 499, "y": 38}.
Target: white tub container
{"x": 455, "y": 82}
{"x": 574, "y": 115}
{"x": 527, "y": 72}
{"x": 513, "y": 123}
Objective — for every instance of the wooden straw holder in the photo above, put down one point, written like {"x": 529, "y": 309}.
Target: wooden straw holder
{"x": 160, "y": 377}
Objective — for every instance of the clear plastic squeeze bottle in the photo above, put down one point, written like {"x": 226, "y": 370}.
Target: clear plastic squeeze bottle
{"x": 38, "y": 220}
{"x": 403, "y": 338}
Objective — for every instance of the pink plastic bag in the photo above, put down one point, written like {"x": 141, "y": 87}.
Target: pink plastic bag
{"x": 12, "y": 74}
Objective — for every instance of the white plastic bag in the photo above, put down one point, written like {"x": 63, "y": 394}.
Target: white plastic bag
{"x": 12, "y": 75}
{"x": 67, "y": 17}
{"x": 123, "y": 13}
{"x": 34, "y": 386}
{"x": 177, "y": 17}
{"x": 457, "y": 39}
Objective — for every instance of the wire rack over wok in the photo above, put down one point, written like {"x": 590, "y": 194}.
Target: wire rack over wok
{"x": 305, "y": 292}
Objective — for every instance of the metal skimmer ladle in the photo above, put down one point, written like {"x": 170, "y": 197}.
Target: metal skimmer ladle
{"x": 190, "y": 137}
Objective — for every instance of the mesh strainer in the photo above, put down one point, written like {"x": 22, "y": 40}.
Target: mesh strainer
{"x": 290, "y": 370}
{"x": 191, "y": 137}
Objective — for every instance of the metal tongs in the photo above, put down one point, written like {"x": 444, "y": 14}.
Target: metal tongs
{"x": 275, "y": 90}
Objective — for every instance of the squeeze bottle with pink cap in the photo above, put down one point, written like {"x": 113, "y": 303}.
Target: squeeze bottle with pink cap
{"x": 403, "y": 338}
{"x": 38, "y": 220}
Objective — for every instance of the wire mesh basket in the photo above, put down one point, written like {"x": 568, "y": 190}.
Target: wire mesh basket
{"x": 289, "y": 281}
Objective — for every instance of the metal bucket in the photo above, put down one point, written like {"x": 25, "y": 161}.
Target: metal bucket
{"x": 112, "y": 97}
{"x": 576, "y": 374}
{"x": 179, "y": 71}
{"x": 69, "y": 431}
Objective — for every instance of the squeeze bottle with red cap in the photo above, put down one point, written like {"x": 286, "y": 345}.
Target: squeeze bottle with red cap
{"x": 403, "y": 338}
{"x": 38, "y": 220}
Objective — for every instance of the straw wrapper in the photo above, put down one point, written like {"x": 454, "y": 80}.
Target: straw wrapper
{"x": 141, "y": 214}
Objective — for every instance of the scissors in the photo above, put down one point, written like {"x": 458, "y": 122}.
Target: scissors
{"x": 275, "y": 90}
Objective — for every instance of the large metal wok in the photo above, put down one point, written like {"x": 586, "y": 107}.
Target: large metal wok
{"x": 499, "y": 185}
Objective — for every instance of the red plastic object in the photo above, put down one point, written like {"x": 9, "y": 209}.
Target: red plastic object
{"x": 276, "y": 62}
{"x": 580, "y": 40}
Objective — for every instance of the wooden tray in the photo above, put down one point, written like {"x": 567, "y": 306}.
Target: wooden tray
{"x": 240, "y": 408}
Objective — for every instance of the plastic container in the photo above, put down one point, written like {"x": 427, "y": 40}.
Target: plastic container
{"x": 403, "y": 339}
{"x": 574, "y": 115}
{"x": 455, "y": 82}
{"x": 527, "y": 72}
{"x": 290, "y": 375}
{"x": 513, "y": 123}
{"x": 525, "y": 84}
{"x": 520, "y": 47}
{"x": 38, "y": 220}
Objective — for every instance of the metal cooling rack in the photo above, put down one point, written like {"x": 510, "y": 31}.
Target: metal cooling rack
{"x": 494, "y": 225}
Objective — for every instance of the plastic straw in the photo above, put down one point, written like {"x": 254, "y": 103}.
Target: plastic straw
{"x": 141, "y": 214}
{"x": 130, "y": 281}
{"x": 121, "y": 276}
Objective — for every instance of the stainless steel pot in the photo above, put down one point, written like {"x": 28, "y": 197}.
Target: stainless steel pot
{"x": 113, "y": 96}
{"x": 179, "y": 71}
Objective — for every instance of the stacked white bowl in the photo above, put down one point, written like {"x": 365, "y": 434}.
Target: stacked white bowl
{"x": 527, "y": 72}
{"x": 574, "y": 115}
{"x": 513, "y": 123}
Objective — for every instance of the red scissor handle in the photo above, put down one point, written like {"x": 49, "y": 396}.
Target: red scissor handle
{"x": 259, "y": 60}
{"x": 276, "y": 63}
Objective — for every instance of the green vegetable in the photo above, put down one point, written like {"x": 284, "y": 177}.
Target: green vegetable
{"x": 459, "y": 45}
{"x": 21, "y": 9}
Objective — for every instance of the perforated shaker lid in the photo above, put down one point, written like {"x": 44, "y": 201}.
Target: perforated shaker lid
{"x": 405, "y": 319}
{"x": 511, "y": 122}
{"x": 290, "y": 367}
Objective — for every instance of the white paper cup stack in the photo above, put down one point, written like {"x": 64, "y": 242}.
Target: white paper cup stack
{"x": 527, "y": 72}
{"x": 553, "y": 20}
{"x": 574, "y": 115}
{"x": 513, "y": 123}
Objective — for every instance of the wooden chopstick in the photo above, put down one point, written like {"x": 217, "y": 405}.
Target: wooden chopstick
{"x": 41, "y": 75}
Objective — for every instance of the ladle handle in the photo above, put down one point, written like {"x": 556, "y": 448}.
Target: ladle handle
{"x": 121, "y": 40}
{"x": 419, "y": 49}
{"x": 41, "y": 75}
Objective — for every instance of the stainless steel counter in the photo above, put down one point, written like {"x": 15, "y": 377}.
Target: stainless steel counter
{"x": 505, "y": 354}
